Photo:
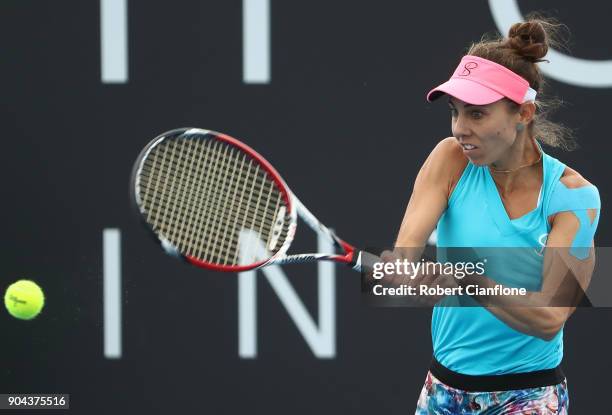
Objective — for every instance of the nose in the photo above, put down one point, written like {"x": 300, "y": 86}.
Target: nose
{"x": 460, "y": 127}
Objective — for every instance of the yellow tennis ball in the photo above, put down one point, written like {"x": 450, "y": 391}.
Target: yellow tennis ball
{"x": 24, "y": 299}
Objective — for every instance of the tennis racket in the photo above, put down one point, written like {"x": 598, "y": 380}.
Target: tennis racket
{"x": 204, "y": 193}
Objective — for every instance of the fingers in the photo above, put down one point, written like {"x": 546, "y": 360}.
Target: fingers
{"x": 390, "y": 256}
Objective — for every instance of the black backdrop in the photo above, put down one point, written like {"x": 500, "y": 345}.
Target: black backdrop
{"x": 345, "y": 121}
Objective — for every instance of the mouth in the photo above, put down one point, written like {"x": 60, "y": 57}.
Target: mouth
{"x": 468, "y": 147}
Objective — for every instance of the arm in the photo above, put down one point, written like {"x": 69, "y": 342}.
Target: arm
{"x": 428, "y": 201}
{"x": 565, "y": 276}
{"x": 429, "y": 197}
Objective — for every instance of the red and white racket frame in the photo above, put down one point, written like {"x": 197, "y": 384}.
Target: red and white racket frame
{"x": 349, "y": 256}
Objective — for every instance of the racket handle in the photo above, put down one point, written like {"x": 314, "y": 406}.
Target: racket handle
{"x": 363, "y": 261}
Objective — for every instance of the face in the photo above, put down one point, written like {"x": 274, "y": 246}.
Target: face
{"x": 491, "y": 128}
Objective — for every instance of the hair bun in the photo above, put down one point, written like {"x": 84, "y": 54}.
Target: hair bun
{"x": 528, "y": 40}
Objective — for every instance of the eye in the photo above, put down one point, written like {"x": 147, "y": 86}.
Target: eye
{"x": 476, "y": 114}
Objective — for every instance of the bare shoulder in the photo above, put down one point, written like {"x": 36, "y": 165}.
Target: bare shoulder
{"x": 572, "y": 179}
{"x": 449, "y": 156}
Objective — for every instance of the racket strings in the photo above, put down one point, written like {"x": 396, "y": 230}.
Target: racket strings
{"x": 182, "y": 188}
{"x": 234, "y": 213}
{"x": 158, "y": 199}
{"x": 178, "y": 195}
{"x": 200, "y": 193}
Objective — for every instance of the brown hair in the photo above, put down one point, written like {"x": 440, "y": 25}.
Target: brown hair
{"x": 526, "y": 45}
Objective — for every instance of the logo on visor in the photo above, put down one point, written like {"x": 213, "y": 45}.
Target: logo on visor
{"x": 467, "y": 68}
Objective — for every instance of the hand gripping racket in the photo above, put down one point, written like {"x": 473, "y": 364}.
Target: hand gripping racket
{"x": 200, "y": 192}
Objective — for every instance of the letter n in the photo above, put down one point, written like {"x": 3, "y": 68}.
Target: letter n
{"x": 322, "y": 338}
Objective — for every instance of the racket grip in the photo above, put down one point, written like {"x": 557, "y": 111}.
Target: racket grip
{"x": 363, "y": 261}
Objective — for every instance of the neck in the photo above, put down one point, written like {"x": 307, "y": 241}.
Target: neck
{"x": 522, "y": 159}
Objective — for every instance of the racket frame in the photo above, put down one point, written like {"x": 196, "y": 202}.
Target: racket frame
{"x": 296, "y": 208}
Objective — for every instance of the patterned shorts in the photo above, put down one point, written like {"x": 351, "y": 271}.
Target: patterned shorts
{"x": 439, "y": 399}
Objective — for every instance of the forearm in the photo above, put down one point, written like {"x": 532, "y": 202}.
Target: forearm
{"x": 521, "y": 321}
{"x": 527, "y": 314}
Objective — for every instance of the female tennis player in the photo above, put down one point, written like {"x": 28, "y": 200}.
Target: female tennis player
{"x": 492, "y": 185}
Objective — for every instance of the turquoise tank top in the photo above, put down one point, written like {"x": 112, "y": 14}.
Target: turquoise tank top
{"x": 471, "y": 340}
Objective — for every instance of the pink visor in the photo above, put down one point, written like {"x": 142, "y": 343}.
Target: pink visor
{"x": 479, "y": 81}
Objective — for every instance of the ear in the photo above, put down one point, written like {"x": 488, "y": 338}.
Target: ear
{"x": 527, "y": 112}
